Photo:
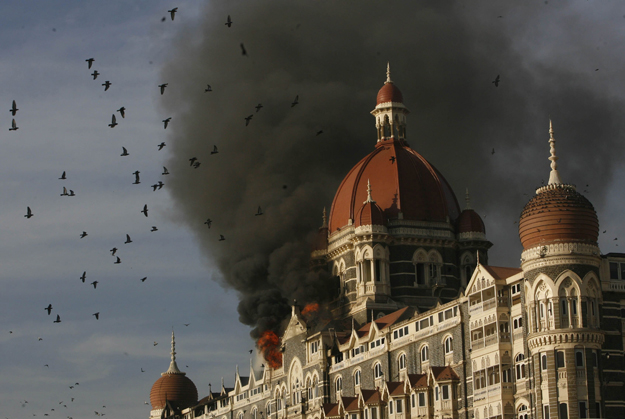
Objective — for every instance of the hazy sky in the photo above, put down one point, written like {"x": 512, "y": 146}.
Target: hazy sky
{"x": 556, "y": 58}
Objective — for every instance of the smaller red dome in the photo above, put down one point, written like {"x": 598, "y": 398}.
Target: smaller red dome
{"x": 389, "y": 93}
{"x": 370, "y": 214}
{"x": 470, "y": 222}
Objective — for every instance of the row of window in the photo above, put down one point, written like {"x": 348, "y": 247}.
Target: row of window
{"x": 563, "y": 410}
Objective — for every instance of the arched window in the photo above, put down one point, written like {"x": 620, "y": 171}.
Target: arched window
{"x": 425, "y": 354}
{"x": 522, "y": 412}
{"x": 377, "y": 371}
{"x": 255, "y": 413}
{"x": 401, "y": 362}
{"x": 543, "y": 362}
{"x": 520, "y": 366}
{"x": 315, "y": 387}
{"x": 449, "y": 345}
{"x": 240, "y": 415}
{"x": 338, "y": 384}
{"x": 357, "y": 378}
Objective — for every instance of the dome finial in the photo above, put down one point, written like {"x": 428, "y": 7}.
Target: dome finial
{"x": 173, "y": 367}
{"x": 388, "y": 73}
{"x": 369, "y": 199}
{"x": 467, "y": 200}
{"x": 554, "y": 177}
{"x": 325, "y": 219}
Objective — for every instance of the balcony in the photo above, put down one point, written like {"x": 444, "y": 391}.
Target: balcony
{"x": 477, "y": 344}
{"x": 488, "y": 304}
{"x": 490, "y": 340}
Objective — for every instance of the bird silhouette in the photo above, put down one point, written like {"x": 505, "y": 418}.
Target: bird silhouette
{"x": 259, "y": 211}
{"x": 63, "y": 176}
{"x": 155, "y": 343}
{"x": 221, "y": 238}
{"x": 163, "y": 19}
{"x": 29, "y": 213}
{"x": 83, "y": 234}
{"x": 97, "y": 317}
{"x": 95, "y": 74}
{"x": 228, "y": 22}
{"x": 259, "y": 107}
{"x": 172, "y": 12}
{"x": 64, "y": 192}
{"x": 49, "y": 309}
{"x": 208, "y": 222}
{"x": 496, "y": 81}
{"x": 144, "y": 278}
{"x": 95, "y": 284}
{"x": 71, "y": 193}
{"x": 14, "y": 126}
{"x": 392, "y": 159}
{"x": 113, "y": 123}
{"x": 160, "y": 185}
{"x": 196, "y": 164}
{"x": 90, "y": 61}
{"x": 163, "y": 86}
{"x": 319, "y": 133}
{"x": 154, "y": 187}
{"x": 124, "y": 152}
{"x": 118, "y": 261}
{"x": 127, "y": 239}
{"x": 248, "y": 119}
{"x": 106, "y": 85}
{"x": 143, "y": 371}
{"x": 154, "y": 229}
{"x": 296, "y": 101}
{"x": 122, "y": 111}
{"x": 113, "y": 250}
{"x": 58, "y": 319}
{"x": 137, "y": 181}
{"x": 187, "y": 324}
{"x": 208, "y": 88}
{"x": 145, "y": 210}
{"x": 243, "y": 50}
{"x": 165, "y": 171}
{"x": 192, "y": 160}
{"x": 83, "y": 276}
{"x": 166, "y": 122}
{"x": 160, "y": 146}
{"x": 215, "y": 151}
{"x": 13, "y": 109}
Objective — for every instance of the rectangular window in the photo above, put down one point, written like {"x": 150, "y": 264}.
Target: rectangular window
{"x": 425, "y": 323}
{"x": 366, "y": 413}
{"x": 314, "y": 347}
{"x": 420, "y": 273}
{"x": 622, "y": 270}
{"x": 516, "y": 289}
{"x": 546, "y": 412}
{"x": 560, "y": 359}
{"x": 543, "y": 362}
{"x": 421, "y": 399}
{"x": 354, "y": 416}
{"x": 564, "y": 411}
{"x": 595, "y": 359}
{"x": 390, "y": 407}
{"x": 374, "y": 413}
{"x": 436, "y": 393}
{"x": 441, "y": 317}
{"x": 579, "y": 358}
{"x": 583, "y": 413}
{"x": 414, "y": 401}
{"x": 614, "y": 270}
{"x": 400, "y": 407}
{"x": 446, "y": 392}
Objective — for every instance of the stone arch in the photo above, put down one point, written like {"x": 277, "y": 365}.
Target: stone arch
{"x": 381, "y": 252}
{"x": 542, "y": 284}
{"x": 419, "y": 256}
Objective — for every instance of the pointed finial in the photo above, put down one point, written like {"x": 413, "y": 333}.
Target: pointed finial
{"x": 388, "y": 73}
{"x": 468, "y": 200}
{"x": 369, "y": 199}
{"x": 478, "y": 256}
{"x": 325, "y": 220}
{"x": 173, "y": 367}
{"x": 554, "y": 177}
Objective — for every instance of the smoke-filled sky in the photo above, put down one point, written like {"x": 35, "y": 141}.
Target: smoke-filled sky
{"x": 556, "y": 59}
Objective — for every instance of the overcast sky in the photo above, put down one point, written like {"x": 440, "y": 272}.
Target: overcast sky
{"x": 556, "y": 58}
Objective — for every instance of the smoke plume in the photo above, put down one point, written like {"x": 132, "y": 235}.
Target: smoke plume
{"x": 332, "y": 55}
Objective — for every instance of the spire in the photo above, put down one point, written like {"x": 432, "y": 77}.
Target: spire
{"x": 325, "y": 219}
{"x": 369, "y": 199}
{"x": 388, "y": 73}
{"x": 554, "y": 177}
{"x": 467, "y": 200}
{"x": 173, "y": 368}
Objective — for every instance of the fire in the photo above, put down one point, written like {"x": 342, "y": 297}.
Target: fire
{"x": 269, "y": 345}
{"x": 310, "y": 309}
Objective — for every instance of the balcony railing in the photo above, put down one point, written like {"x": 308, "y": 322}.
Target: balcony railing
{"x": 488, "y": 304}
{"x": 477, "y": 344}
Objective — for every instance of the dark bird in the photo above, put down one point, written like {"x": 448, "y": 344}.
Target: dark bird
{"x": 392, "y": 159}
{"x": 492, "y": 152}
{"x": 160, "y": 185}
{"x": 163, "y": 86}
{"x": 83, "y": 276}
{"x": 113, "y": 251}
{"x": 172, "y": 12}
{"x": 319, "y": 133}
{"x": 259, "y": 107}
{"x": 251, "y": 350}
{"x": 63, "y": 176}
{"x": 122, "y": 111}
{"x": 124, "y": 152}
{"x": 106, "y": 85}
{"x": 208, "y": 88}
{"x": 95, "y": 74}
{"x": 243, "y": 50}
{"x": 154, "y": 187}
{"x": 208, "y": 222}
{"x": 14, "y": 126}
{"x": 49, "y": 308}
{"x": 90, "y": 61}
{"x": 97, "y": 317}
{"x": 604, "y": 231}
{"x": 113, "y": 123}
{"x": 143, "y": 371}
{"x": 296, "y": 101}
{"x": 40, "y": 339}
{"x": 228, "y": 22}
{"x": 155, "y": 343}
{"x": 166, "y": 122}
{"x": 29, "y": 213}
{"x": 187, "y": 324}
{"x": 58, "y": 319}
{"x": 71, "y": 193}
{"x": 154, "y": 229}
{"x": 259, "y": 211}
{"x": 196, "y": 164}
{"x": 221, "y": 238}
{"x": 118, "y": 261}
{"x": 192, "y": 160}
{"x": 127, "y": 239}
{"x": 145, "y": 210}
{"x": 248, "y": 119}
{"x": 165, "y": 171}
{"x": 496, "y": 81}
{"x": 137, "y": 181}
{"x": 83, "y": 234}
{"x": 144, "y": 278}
{"x": 160, "y": 146}
{"x": 95, "y": 284}
{"x": 215, "y": 151}
{"x": 163, "y": 19}
{"x": 64, "y": 192}
{"x": 13, "y": 109}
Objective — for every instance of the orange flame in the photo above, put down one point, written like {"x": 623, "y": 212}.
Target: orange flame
{"x": 310, "y": 309}
{"x": 269, "y": 345}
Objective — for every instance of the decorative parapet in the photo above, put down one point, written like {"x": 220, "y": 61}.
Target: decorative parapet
{"x": 535, "y": 341}
{"x": 558, "y": 253}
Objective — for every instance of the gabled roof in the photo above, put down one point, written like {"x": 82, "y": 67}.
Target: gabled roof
{"x": 389, "y": 319}
{"x": 418, "y": 380}
{"x": 244, "y": 381}
{"x": 371, "y": 396}
{"x": 444, "y": 373}
{"x": 350, "y": 404}
{"x": 500, "y": 272}
{"x": 395, "y": 388}
{"x": 331, "y": 410}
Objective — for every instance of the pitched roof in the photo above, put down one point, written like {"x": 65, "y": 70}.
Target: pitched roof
{"x": 331, "y": 409}
{"x": 444, "y": 373}
{"x": 418, "y": 380}
{"x": 389, "y": 319}
{"x": 244, "y": 380}
{"x": 350, "y": 404}
{"x": 395, "y": 388}
{"x": 371, "y": 396}
{"x": 500, "y": 272}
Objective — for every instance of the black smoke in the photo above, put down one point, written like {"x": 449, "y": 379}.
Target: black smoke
{"x": 333, "y": 55}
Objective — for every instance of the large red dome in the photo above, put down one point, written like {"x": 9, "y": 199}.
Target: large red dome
{"x": 174, "y": 388}
{"x": 402, "y": 181}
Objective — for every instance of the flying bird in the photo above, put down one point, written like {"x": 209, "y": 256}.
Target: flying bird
{"x": 161, "y": 145}
{"x": 124, "y": 152}
{"x": 259, "y": 107}
{"x": 58, "y": 319}
{"x": 95, "y": 74}
{"x": 492, "y": 152}
{"x": 155, "y": 343}
{"x": 84, "y": 276}
{"x": 221, "y": 238}
{"x": 71, "y": 193}
{"x": 90, "y": 61}
{"x": 118, "y": 261}
{"x": 64, "y": 192}
{"x": 145, "y": 210}
{"x": 144, "y": 278}
{"x": 97, "y": 317}
{"x": 248, "y": 119}
{"x": 296, "y": 101}
{"x": 106, "y": 85}
{"x": 496, "y": 81}
{"x": 29, "y": 213}
{"x": 63, "y": 176}
{"x": 113, "y": 123}
{"x": 154, "y": 229}
{"x": 154, "y": 187}
{"x": 208, "y": 88}
{"x": 113, "y": 250}
{"x": 137, "y": 181}
{"x": 392, "y": 159}
{"x": 122, "y": 111}
{"x": 172, "y": 12}
{"x": 163, "y": 19}
{"x": 215, "y": 151}
{"x": 208, "y": 222}
{"x": 95, "y": 284}
{"x": 192, "y": 160}
{"x": 14, "y": 126}
{"x": 163, "y": 86}
{"x": 259, "y": 211}
{"x": 49, "y": 308}
{"x": 228, "y": 22}
{"x": 165, "y": 171}
{"x": 13, "y": 109}
{"x": 243, "y": 50}
{"x": 319, "y": 133}
{"x": 127, "y": 239}
{"x": 166, "y": 122}
{"x": 83, "y": 234}
{"x": 196, "y": 164}
{"x": 186, "y": 324}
